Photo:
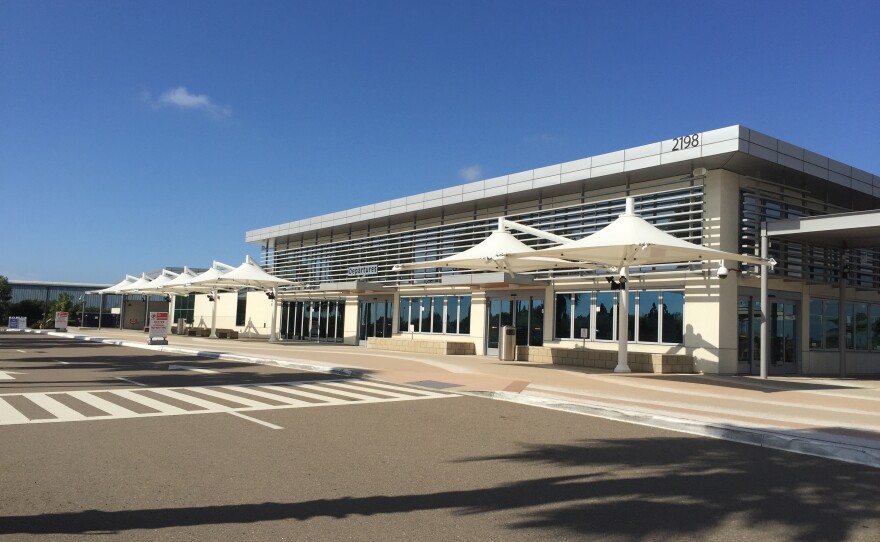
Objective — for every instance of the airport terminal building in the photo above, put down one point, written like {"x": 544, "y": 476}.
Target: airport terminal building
{"x": 712, "y": 188}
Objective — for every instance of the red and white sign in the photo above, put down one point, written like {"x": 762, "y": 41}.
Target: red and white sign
{"x": 159, "y": 324}
{"x": 61, "y": 321}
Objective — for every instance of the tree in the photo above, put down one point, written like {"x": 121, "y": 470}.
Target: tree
{"x": 29, "y": 308}
{"x": 62, "y": 304}
{"x": 5, "y": 297}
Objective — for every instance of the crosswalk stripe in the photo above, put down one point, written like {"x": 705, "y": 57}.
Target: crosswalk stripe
{"x": 364, "y": 389}
{"x": 187, "y": 398}
{"x": 164, "y": 408}
{"x": 232, "y": 398}
{"x": 296, "y": 391}
{"x": 283, "y": 395}
{"x": 54, "y": 407}
{"x": 418, "y": 392}
{"x": 334, "y": 391}
{"x": 274, "y": 396}
{"x": 8, "y": 414}
{"x": 102, "y": 404}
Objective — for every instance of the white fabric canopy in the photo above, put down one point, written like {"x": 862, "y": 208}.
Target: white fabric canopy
{"x": 208, "y": 279}
{"x": 156, "y": 285}
{"x": 136, "y": 287}
{"x": 182, "y": 284}
{"x": 115, "y": 288}
{"x": 501, "y": 251}
{"x": 247, "y": 275}
{"x": 631, "y": 241}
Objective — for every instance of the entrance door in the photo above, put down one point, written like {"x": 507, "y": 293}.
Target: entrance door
{"x": 374, "y": 320}
{"x": 526, "y": 313}
{"x": 783, "y": 321}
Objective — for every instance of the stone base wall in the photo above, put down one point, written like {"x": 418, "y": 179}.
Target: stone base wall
{"x": 451, "y": 348}
{"x": 639, "y": 362}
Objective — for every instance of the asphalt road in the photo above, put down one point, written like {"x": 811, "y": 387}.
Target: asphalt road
{"x": 341, "y": 459}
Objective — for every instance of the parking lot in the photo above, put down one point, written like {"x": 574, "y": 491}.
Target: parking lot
{"x": 191, "y": 448}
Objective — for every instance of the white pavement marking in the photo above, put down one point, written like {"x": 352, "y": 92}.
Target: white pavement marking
{"x": 4, "y": 375}
{"x": 188, "y": 368}
{"x": 102, "y": 404}
{"x": 232, "y": 398}
{"x": 273, "y": 396}
{"x": 164, "y": 408}
{"x": 22, "y": 351}
{"x": 255, "y": 420}
{"x": 326, "y": 399}
{"x": 288, "y": 394}
{"x": 64, "y": 362}
{"x": 54, "y": 407}
{"x": 8, "y": 415}
{"x": 129, "y": 381}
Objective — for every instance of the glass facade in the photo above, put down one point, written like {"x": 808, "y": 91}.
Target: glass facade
{"x": 660, "y": 316}
{"x": 311, "y": 261}
{"x": 426, "y": 314}
{"x": 861, "y": 325}
{"x": 184, "y": 306}
{"x": 320, "y": 321}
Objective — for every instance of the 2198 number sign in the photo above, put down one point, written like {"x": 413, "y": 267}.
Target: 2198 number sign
{"x": 686, "y": 142}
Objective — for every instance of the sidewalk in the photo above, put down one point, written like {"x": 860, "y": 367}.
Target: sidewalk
{"x": 832, "y": 418}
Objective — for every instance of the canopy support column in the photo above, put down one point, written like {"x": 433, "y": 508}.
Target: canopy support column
{"x": 765, "y": 301}
{"x": 273, "y": 336}
{"x": 100, "y": 309}
{"x": 213, "y": 334}
{"x": 623, "y": 323}
{"x": 841, "y": 313}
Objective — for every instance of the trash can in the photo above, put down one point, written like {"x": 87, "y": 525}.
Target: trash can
{"x": 507, "y": 344}
{"x": 181, "y": 326}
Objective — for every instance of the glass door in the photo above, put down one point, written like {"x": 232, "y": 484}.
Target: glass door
{"x": 783, "y": 321}
{"x": 374, "y": 320}
{"x": 526, "y": 313}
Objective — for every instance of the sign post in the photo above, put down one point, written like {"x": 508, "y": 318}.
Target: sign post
{"x": 61, "y": 321}
{"x": 158, "y": 328}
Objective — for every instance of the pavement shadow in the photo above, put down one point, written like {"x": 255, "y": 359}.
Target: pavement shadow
{"x": 657, "y": 488}
{"x": 744, "y": 382}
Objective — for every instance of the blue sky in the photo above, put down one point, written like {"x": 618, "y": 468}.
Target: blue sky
{"x": 140, "y": 134}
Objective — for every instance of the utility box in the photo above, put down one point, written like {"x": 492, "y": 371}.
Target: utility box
{"x": 507, "y": 344}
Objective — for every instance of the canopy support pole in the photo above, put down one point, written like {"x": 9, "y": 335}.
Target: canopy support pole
{"x": 765, "y": 302}
{"x": 122, "y": 312}
{"x": 273, "y": 337}
{"x": 841, "y": 313}
{"x": 100, "y": 309}
{"x": 623, "y": 323}
{"x": 146, "y": 310}
{"x": 213, "y": 334}
{"x": 503, "y": 222}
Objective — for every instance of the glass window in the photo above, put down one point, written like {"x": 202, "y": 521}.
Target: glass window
{"x": 815, "y": 323}
{"x": 861, "y": 326}
{"x": 563, "y": 316}
{"x": 437, "y": 320}
{"x": 426, "y": 315}
{"x": 452, "y": 314}
{"x": 582, "y": 305}
{"x": 649, "y": 316}
{"x": 673, "y": 317}
{"x": 875, "y": 327}
{"x": 403, "y": 315}
{"x": 830, "y": 321}
{"x": 631, "y": 321}
{"x": 605, "y": 316}
{"x": 184, "y": 307}
{"x": 464, "y": 315}
{"x": 536, "y": 321}
{"x": 340, "y": 318}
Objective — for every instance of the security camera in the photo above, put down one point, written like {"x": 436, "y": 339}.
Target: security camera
{"x": 722, "y": 272}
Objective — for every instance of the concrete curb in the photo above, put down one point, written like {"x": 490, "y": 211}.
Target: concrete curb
{"x": 765, "y": 438}
{"x": 303, "y": 365}
{"x": 775, "y": 439}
